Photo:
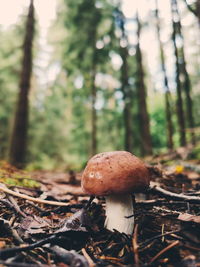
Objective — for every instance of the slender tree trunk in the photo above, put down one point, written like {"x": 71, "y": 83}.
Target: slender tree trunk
{"x": 195, "y": 9}
{"x": 94, "y": 112}
{"x": 19, "y": 133}
{"x": 179, "y": 103}
{"x": 169, "y": 125}
{"x": 198, "y": 11}
{"x": 127, "y": 100}
{"x": 125, "y": 87}
{"x": 94, "y": 95}
{"x": 186, "y": 81}
{"x": 189, "y": 105}
{"x": 146, "y": 145}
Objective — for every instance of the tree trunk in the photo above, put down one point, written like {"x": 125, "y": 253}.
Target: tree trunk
{"x": 19, "y": 133}
{"x": 125, "y": 87}
{"x": 94, "y": 112}
{"x": 198, "y": 11}
{"x": 189, "y": 105}
{"x": 195, "y": 9}
{"x": 94, "y": 94}
{"x": 127, "y": 100}
{"x": 146, "y": 145}
{"x": 179, "y": 103}
{"x": 186, "y": 82}
{"x": 169, "y": 124}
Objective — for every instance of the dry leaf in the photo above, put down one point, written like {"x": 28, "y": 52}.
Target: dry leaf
{"x": 189, "y": 218}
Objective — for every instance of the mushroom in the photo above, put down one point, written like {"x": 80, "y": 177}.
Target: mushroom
{"x": 116, "y": 175}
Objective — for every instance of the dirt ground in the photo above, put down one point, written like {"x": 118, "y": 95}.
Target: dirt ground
{"x": 167, "y": 220}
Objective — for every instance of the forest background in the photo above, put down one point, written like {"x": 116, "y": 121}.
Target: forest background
{"x": 107, "y": 75}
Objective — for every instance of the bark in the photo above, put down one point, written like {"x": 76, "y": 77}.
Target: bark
{"x": 198, "y": 11}
{"x": 189, "y": 104}
{"x": 94, "y": 113}
{"x": 195, "y": 9}
{"x": 146, "y": 144}
{"x": 127, "y": 100}
{"x": 94, "y": 97}
{"x": 169, "y": 125}
{"x": 186, "y": 81}
{"x": 126, "y": 90}
{"x": 179, "y": 103}
{"x": 19, "y": 134}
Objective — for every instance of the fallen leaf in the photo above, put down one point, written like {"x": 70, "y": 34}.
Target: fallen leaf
{"x": 2, "y": 244}
{"x": 189, "y": 218}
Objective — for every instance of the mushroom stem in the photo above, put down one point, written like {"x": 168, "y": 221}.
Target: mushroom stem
{"x": 118, "y": 207}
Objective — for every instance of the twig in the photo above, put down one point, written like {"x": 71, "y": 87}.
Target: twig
{"x": 174, "y": 212}
{"x": 88, "y": 258}
{"x": 6, "y": 253}
{"x": 175, "y": 243}
{"x": 110, "y": 258}
{"x": 89, "y": 202}
{"x": 158, "y": 236}
{"x": 158, "y": 189}
{"x": 14, "y": 234}
{"x": 71, "y": 258}
{"x": 135, "y": 246}
{"x": 21, "y": 264}
{"x": 16, "y": 207}
{"x": 38, "y": 200}
{"x": 161, "y": 201}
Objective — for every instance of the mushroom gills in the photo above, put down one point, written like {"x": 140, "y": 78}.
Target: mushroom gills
{"x": 118, "y": 207}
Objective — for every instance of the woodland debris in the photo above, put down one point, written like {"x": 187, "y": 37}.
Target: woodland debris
{"x": 189, "y": 218}
{"x": 175, "y": 243}
{"x": 155, "y": 188}
{"x": 72, "y": 258}
{"x": 167, "y": 233}
{"x": 38, "y": 200}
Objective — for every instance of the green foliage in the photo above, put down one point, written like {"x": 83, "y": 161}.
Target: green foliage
{"x": 12, "y": 177}
{"x": 157, "y": 120}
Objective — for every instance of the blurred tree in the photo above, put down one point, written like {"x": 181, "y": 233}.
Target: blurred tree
{"x": 144, "y": 128}
{"x": 125, "y": 86}
{"x": 9, "y": 70}
{"x": 49, "y": 119}
{"x": 185, "y": 82}
{"x": 94, "y": 95}
{"x": 179, "y": 103}
{"x": 19, "y": 133}
{"x": 93, "y": 99}
{"x": 194, "y": 8}
{"x": 86, "y": 52}
{"x": 169, "y": 125}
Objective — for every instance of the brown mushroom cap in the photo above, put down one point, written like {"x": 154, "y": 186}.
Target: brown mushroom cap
{"x": 115, "y": 172}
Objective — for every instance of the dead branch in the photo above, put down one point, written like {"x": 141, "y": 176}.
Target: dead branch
{"x": 157, "y": 189}
{"x": 16, "y": 206}
{"x": 21, "y": 264}
{"x": 135, "y": 247}
{"x": 38, "y": 200}
{"x": 175, "y": 243}
{"x": 9, "y": 252}
{"x": 88, "y": 258}
{"x": 71, "y": 258}
{"x": 158, "y": 236}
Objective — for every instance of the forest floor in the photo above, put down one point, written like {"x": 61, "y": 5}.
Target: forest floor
{"x": 167, "y": 221}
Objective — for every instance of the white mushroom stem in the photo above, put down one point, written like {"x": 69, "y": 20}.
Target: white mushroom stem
{"x": 118, "y": 207}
